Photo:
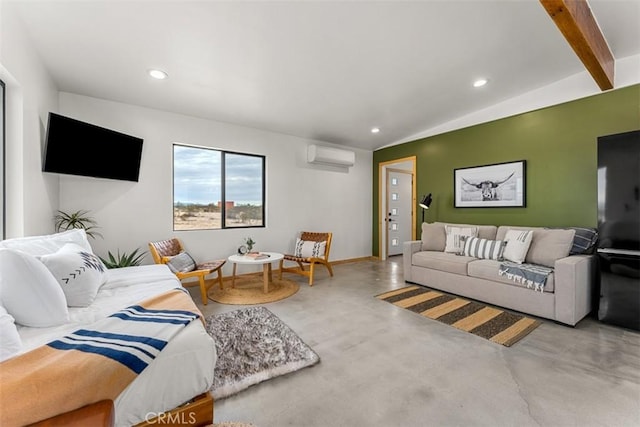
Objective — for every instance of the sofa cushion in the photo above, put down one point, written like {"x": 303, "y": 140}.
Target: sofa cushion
{"x": 29, "y": 291}
{"x": 484, "y": 249}
{"x": 484, "y": 231}
{"x": 442, "y": 261}
{"x": 488, "y": 269}
{"x": 79, "y": 273}
{"x": 456, "y": 237}
{"x": 518, "y": 243}
{"x": 548, "y": 246}
{"x": 434, "y": 236}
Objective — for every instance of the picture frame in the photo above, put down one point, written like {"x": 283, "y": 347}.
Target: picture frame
{"x": 490, "y": 186}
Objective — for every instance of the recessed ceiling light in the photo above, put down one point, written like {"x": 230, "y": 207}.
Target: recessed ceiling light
{"x": 375, "y": 130}
{"x": 158, "y": 74}
{"x": 480, "y": 82}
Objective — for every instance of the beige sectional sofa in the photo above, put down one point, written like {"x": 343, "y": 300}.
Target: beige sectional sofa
{"x": 565, "y": 298}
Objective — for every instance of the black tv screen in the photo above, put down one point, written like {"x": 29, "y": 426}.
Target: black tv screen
{"x": 74, "y": 147}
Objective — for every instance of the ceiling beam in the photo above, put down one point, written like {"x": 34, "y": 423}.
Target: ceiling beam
{"x": 576, "y": 22}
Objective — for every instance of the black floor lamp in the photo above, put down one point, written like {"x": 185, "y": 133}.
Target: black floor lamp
{"x": 425, "y": 203}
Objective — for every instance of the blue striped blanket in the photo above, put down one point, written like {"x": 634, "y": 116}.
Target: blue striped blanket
{"x": 531, "y": 275}
{"x": 94, "y": 363}
{"x": 133, "y": 336}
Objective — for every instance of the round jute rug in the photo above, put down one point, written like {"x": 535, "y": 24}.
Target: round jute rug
{"x": 249, "y": 290}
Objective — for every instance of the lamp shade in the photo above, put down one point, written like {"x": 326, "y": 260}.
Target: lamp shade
{"x": 426, "y": 201}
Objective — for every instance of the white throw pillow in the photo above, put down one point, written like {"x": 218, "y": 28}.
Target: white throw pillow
{"x": 79, "y": 273}
{"x": 10, "y": 342}
{"x": 308, "y": 248}
{"x": 456, "y": 237}
{"x": 29, "y": 291}
{"x": 518, "y": 242}
{"x": 484, "y": 248}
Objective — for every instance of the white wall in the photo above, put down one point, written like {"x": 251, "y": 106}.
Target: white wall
{"x": 577, "y": 86}
{"x": 299, "y": 196}
{"x": 32, "y": 198}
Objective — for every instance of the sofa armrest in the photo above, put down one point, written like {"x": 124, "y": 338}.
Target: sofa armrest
{"x": 574, "y": 279}
{"x": 408, "y": 249}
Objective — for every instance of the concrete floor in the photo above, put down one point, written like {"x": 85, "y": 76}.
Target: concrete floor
{"x": 385, "y": 366}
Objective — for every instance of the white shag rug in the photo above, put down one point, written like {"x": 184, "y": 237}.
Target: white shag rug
{"x": 254, "y": 345}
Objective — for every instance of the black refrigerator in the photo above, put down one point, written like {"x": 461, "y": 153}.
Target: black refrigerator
{"x": 619, "y": 229}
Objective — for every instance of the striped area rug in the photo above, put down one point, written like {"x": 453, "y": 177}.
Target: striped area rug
{"x": 491, "y": 323}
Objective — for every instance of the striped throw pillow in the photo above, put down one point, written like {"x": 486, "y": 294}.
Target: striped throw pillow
{"x": 484, "y": 248}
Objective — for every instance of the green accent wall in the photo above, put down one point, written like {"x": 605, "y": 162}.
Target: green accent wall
{"x": 559, "y": 144}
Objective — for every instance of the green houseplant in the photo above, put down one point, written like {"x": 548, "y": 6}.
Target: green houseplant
{"x": 123, "y": 260}
{"x": 79, "y": 219}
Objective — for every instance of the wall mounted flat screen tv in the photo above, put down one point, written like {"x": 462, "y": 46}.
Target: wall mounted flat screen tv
{"x": 74, "y": 147}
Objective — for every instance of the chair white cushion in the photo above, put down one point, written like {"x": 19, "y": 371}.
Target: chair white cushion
{"x": 456, "y": 237}
{"x": 518, "y": 242}
{"x": 79, "y": 273}
{"x": 10, "y": 342}
{"x": 309, "y": 248}
{"x": 29, "y": 291}
{"x": 181, "y": 263}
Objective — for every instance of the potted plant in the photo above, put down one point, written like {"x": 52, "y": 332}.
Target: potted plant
{"x": 79, "y": 219}
{"x": 124, "y": 259}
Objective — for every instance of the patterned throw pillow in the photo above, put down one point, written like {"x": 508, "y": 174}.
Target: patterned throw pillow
{"x": 456, "y": 237}
{"x": 79, "y": 272}
{"x": 584, "y": 242}
{"x": 309, "y": 249}
{"x": 518, "y": 242}
{"x": 484, "y": 248}
{"x": 181, "y": 263}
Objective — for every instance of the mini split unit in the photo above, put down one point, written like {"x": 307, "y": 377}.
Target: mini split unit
{"x": 318, "y": 154}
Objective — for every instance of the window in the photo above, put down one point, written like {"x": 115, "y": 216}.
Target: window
{"x": 215, "y": 189}
{"x": 3, "y": 211}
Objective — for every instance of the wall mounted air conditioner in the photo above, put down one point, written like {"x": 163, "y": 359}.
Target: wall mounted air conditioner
{"x": 319, "y": 154}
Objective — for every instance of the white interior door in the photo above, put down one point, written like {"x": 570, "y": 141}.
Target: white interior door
{"x": 398, "y": 219}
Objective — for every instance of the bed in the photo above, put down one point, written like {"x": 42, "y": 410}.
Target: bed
{"x": 180, "y": 372}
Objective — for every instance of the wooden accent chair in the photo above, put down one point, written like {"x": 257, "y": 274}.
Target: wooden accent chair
{"x": 163, "y": 250}
{"x": 309, "y": 236}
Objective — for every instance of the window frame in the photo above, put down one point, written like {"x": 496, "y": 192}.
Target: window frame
{"x": 223, "y": 185}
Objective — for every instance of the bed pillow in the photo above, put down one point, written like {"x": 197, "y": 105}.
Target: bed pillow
{"x": 309, "y": 248}
{"x": 434, "y": 237}
{"x": 181, "y": 263}
{"x": 29, "y": 291}
{"x": 518, "y": 242}
{"x": 10, "y": 341}
{"x": 456, "y": 237}
{"x": 484, "y": 248}
{"x": 79, "y": 273}
{"x": 48, "y": 244}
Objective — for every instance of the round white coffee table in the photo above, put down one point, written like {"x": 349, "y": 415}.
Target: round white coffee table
{"x": 265, "y": 262}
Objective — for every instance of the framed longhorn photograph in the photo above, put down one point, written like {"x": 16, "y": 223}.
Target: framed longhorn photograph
{"x": 490, "y": 186}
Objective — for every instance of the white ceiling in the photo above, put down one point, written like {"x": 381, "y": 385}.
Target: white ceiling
{"x": 316, "y": 69}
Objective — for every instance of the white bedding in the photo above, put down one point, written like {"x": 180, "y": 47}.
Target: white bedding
{"x": 183, "y": 370}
